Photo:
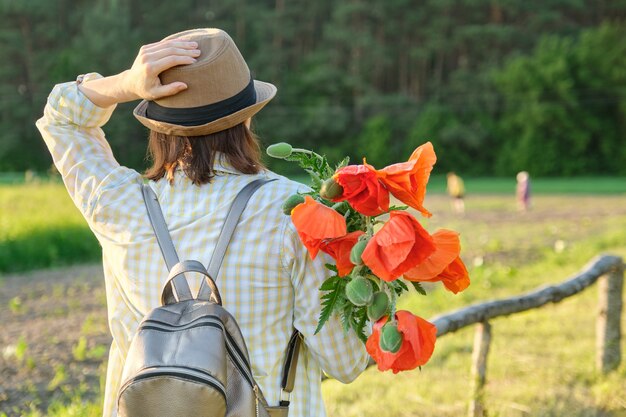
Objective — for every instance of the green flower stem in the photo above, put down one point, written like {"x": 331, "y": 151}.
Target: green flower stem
{"x": 369, "y": 225}
{"x": 392, "y": 300}
{"x": 308, "y": 152}
{"x": 357, "y": 270}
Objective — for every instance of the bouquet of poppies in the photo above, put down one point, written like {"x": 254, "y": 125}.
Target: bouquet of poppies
{"x": 379, "y": 249}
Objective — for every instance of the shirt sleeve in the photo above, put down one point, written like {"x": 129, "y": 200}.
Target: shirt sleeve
{"x": 341, "y": 355}
{"x": 71, "y": 128}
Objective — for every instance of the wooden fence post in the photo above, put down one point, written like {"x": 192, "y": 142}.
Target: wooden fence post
{"x": 482, "y": 339}
{"x": 608, "y": 324}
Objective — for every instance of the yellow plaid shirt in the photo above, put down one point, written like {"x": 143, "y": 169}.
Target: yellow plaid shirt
{"x": 267, "y": 280}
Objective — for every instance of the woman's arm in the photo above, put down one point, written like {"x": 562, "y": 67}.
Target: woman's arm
{"x": 341, "y": 355}
{"x": 142, "y": 81}
{"x": 74, "y": 114}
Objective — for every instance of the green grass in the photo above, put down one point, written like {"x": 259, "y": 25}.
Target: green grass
{"x": 14, "y": 178}
{"x": 577, "y": 185}
{"x": 437, "y": 184}
{"x": 541, "y": 362}
{"x": 541, "y": 186}
{"x": 40, "y": 227}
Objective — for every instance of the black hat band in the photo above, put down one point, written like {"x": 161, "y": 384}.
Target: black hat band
{"x": 197, "y": 116}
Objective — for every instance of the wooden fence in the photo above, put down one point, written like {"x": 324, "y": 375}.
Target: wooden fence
{"x": 609, "y": 270}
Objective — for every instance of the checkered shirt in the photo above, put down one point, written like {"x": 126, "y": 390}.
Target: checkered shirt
{"x": 267, "y": 281}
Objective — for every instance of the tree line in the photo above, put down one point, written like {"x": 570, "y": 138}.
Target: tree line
{"x": 497, "y": 85}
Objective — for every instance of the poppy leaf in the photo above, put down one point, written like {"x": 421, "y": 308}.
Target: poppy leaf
{"x": 402, "y": 286}
{"x": 330, "y": 283}
{"x": 329, "y": 303}
{"x": 418, "y": 287}
{"x": 343, "y": 163}
{"x": 397, "y": 208}
{"x": 398, "y": 286}
{"x": 346, "y": 317}
{"x": 358, "y": 324}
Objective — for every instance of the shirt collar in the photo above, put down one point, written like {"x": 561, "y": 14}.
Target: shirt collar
{"x": 220, "y": 165}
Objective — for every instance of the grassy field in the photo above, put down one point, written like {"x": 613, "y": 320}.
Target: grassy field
{"x": 578, "y": 185}
{"x": 543, "y": 186}
{"x": 40, "y": 227}
{"x": 541, "y": 362}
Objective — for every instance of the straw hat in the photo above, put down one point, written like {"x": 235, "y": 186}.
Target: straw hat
{"x": 220, "y": 90}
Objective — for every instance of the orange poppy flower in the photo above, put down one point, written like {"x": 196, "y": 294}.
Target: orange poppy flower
{"x": 455, "y": 277}
{"x": 448, "y": 249}
{"x": 339, "y": 248}
{"x": 401, "y": 244}
{"x": 407, "y": 180}
{"x": 362, "y": 189}
{"x": 444, "y": 265}
{"x": 316, "y": 222}
{"x": 418, "y": 343}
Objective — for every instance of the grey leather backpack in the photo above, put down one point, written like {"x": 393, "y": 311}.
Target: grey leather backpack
{"x": 188, "y": 357}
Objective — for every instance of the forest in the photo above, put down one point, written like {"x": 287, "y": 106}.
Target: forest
{"x": 497, "y": 85}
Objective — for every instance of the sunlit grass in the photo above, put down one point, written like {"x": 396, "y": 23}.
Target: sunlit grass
{"x": 541, "y": 363}
{"x": 41, "y": 227}
{"x": 575, "y": 185}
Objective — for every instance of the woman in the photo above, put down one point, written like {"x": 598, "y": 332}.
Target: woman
{"x": 198, "y": 98}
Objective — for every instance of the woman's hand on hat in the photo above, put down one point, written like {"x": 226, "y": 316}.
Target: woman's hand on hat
{"x": 142, "y": 79}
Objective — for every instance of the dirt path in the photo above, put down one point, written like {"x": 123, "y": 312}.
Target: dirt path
{"x": 43, "y": 316}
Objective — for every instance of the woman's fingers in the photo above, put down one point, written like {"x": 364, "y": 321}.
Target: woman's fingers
{"x": 169, "y": 89}
{"x": 172, "y": 43}
{"x": 168, "y": 62}
{"x": 143, "y": 77}
{"x": 173, "y": 51}
{"x": 163, "y": 55}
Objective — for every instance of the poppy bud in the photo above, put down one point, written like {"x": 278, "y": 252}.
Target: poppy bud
{"x": 390, "y": 338}
{"x": 357, "y": 251}
{"x": 379, "y": 306}
{"x": 330, "y": 189}
{"x": 359, "y": 291}
{"x": 279, "y": 150}
{"x": 291, "y": 202}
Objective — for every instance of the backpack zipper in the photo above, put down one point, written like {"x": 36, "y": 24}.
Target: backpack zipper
{"x": 256, "y": 398}
{"x": 207, "y": 321}
{"x": 179, "y": 372}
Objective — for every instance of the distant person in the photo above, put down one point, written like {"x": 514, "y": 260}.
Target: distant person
{"x": 523, "y": 191}
{"x": 456, "y": 190}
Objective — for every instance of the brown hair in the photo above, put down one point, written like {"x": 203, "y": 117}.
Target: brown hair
{"x": 239, "y": 147}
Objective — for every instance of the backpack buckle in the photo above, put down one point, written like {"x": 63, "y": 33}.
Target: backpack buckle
{"x": 284, "y": 398}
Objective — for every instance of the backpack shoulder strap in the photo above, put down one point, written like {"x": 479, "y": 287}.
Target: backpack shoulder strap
{"x": 236, "y": 209}
{"x": 176, "y": 289}
{"x": 226, "y": 234}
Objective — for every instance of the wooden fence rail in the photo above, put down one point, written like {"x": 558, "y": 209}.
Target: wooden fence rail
{"x": 608, "y": 269}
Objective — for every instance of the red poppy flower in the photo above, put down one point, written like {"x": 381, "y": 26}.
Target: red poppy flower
{"x": 401, "y": 244}
{"x": 316, "y": 222}
{"x": 448, "y": 248}
{"x": 339, "y": 248}
{"x": 418, "y": 343}
{"x": 407, "y": 180}
{"x": 455, "y": 277}
{"x": 444, "y": 264}
{"x": 362, "y": 189}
